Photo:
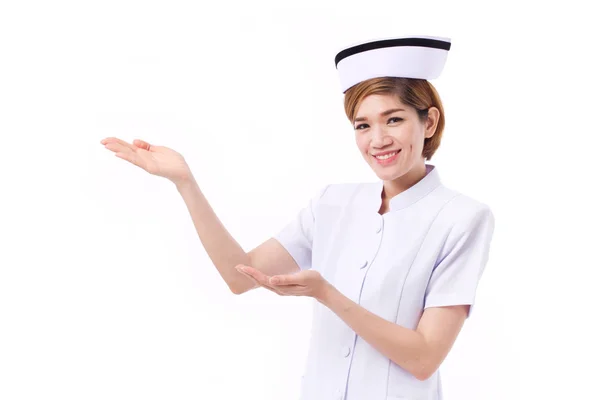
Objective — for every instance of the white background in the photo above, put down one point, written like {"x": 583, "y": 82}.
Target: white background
{"x": 105, "y": 290}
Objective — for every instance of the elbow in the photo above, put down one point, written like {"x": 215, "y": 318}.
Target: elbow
{"x": 237, "y": 289}
{"x": 423, "y": 375}
{"x": 418, "y": 369}
{"x": 238, "y": 285}
{"x": 425, "y": 371}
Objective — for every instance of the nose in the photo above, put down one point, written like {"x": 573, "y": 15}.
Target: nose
{"x": 380, "y": 137}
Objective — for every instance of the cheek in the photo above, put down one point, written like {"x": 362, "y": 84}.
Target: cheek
{"x": 361, "y": 143}
{"x": 413, "y": 138}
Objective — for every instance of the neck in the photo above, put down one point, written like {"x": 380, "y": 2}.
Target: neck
{"x": 399, "y": 185}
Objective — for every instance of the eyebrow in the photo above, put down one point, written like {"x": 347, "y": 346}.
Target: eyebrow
{"x": 383, "y": 114}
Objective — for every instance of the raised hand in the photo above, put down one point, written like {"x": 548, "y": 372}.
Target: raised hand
{"x": 156, "y": 160}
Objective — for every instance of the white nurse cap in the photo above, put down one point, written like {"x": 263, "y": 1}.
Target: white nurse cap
{"x": 419, "y": 57}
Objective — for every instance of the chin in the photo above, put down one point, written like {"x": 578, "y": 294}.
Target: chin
{"x": 387, "y": 175}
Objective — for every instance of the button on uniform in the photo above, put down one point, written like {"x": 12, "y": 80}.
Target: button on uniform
{"x": 379, "y": 227}
{"x": 378, "y": 223}
{"x": 345, "y": 351}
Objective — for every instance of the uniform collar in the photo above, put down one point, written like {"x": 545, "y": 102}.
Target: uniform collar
{"x": 411, "y": 195}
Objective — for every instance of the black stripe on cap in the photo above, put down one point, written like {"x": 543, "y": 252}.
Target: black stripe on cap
{"x": 380, "y": 44}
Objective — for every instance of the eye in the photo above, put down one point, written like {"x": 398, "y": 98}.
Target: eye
{"x": 395, "y": 119}
{"x": 358, "y": 127}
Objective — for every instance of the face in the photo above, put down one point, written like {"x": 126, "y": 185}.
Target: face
{"x": 390, "y": 136}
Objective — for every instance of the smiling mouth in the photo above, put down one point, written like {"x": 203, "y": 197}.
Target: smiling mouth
{"x": 387, "y": 155}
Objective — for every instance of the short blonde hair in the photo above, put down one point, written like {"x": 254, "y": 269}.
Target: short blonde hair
{"x": 417, "y": 93}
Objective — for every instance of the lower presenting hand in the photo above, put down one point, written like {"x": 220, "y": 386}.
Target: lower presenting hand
{"x": 304, "y": 283}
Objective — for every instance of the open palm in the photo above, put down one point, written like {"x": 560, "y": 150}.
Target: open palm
{"x": 156, "y": 160}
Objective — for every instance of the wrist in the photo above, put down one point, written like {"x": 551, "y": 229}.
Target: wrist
{"x": 184, "y": 183}
{"x": 326, "y": 294}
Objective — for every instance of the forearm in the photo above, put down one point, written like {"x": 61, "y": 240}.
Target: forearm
{"x": 405, "y": 347}
{"x": 223, "y": 250}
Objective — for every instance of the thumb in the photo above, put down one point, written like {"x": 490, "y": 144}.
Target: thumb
{"x": 141, "y": 144}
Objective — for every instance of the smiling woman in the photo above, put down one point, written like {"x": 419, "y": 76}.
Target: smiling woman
{"x": 416, "y": 95}
{"x": 399, "y": 259}
{"x": 393, "y": 264}
{"x": 398, "y": 123}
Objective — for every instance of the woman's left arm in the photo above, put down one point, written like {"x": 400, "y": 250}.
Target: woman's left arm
{"x": 420, "y": 351}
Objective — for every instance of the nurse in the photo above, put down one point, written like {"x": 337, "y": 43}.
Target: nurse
{"x": 394, "y": 264}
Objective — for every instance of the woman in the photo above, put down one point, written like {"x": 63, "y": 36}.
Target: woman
{"x": 393, "y": 264}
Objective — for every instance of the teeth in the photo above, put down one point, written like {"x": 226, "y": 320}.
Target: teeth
{"x": 385, "y": 157}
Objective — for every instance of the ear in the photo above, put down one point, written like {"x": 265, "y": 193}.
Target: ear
{"x": 431, "y": 123}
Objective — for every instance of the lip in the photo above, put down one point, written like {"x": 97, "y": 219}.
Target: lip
{"x": 388, "y": 160}
{"x": 383, "y": 153}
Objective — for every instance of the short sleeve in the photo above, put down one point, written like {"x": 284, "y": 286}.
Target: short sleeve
{"x": 297, "y": 236}
{"x": 462, "y": 261}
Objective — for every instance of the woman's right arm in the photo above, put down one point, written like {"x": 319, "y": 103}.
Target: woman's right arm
{"x": 270, "y": 257}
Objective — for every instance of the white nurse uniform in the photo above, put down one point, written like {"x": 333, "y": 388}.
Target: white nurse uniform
{"x": 429, "y": 250}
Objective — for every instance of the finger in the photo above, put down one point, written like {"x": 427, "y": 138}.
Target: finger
{"x": 258, "y": 277}
{"x": 142, "y": 144}
{"x": 125, "y": 153}
{"x": 261, "y": 280}
{"x": 256, "y": 274}
{"x": 286, "y": 280}
{"x": 239, "y": 269}
{"x": 272, "y": 289}
{"x": 246, "y": 271}
{"x": 118, "y": 148}
{"x": 131, "y": 157}
{"x": 115, "y": 140}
